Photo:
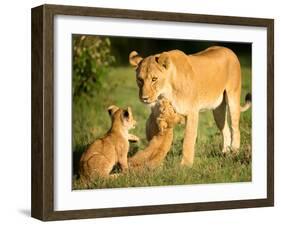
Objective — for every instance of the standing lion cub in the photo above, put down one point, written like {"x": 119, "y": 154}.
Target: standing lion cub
{"x": 100, "y": 157}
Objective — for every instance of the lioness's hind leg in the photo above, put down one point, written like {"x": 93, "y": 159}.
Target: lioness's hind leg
{"x": 220, "y": 116}
{"x": 234, "y": 112}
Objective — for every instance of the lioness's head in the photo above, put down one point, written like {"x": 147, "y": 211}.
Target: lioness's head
{"x": 122, "y": 118}
{"x": 151, "y": 75}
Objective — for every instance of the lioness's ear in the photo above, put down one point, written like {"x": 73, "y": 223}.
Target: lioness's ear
{"x": 111, "y": 109}
{"x": 135, "y": 59}
{"x": 163, "y": 60}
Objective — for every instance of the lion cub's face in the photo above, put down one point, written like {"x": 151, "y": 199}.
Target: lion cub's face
{"x": 122, "y": 118}
{"x": 151, "y": 75}
{"x": 167, "y": 118}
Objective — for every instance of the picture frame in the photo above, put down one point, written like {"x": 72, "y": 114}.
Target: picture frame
{"x": 43, "y": 107}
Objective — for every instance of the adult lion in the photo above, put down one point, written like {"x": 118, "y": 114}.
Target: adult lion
{"x": 210, "y": 79}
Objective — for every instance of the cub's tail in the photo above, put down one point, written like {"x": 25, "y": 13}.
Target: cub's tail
{"x": 248, "y": 103}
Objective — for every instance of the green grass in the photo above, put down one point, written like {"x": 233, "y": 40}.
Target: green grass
{"x": 91, "y": 120}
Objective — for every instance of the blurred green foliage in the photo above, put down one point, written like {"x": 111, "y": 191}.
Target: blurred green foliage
{"x": 91, "y": 59}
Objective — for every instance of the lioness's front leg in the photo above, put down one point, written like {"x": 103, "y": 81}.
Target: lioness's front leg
{"x": 190, "y": 138}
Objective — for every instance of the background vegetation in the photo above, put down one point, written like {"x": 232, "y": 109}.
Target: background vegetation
{"x": 116, "y": 85}
{"x": 91, "y": 59}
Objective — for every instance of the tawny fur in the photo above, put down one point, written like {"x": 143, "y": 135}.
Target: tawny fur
{"x": 210, "y": 79}
{"x": 154, "y": 154}
{"x": 100, "y": 157}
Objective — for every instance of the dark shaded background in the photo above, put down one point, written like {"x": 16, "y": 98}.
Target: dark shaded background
{"x": 122, "y": 46}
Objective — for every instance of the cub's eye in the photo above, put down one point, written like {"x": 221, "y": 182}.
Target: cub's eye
{"x": 154, "y": 79}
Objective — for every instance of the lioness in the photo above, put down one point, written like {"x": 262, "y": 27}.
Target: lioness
{"x": 153, "y": 155}
{"x": 100, "y": 157}
{"x": 210, "y": 79}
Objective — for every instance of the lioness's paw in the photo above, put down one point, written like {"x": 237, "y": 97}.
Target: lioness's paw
{"x": 186, "y": 163}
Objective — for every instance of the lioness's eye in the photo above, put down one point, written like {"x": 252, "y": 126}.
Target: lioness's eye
{"x": 140, "y": 81}
{"x": 154, "y": 79}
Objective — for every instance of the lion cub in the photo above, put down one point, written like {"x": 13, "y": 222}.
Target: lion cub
{"x": 158, "y": 147}
{"x": 100, "y": 157}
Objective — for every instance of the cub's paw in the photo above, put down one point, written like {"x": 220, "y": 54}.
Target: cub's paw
{"x": 133, "y": 138}
{"x": 162, "y": 125}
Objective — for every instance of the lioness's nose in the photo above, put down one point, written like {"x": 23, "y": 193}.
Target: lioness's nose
{"x": 145, "y": 98}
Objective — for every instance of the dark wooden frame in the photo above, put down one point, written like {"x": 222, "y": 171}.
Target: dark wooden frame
{"x": 42, "y": 202}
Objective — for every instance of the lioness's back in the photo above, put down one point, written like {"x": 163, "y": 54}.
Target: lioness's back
{"x": 215, "y": 53}
{"x": 210, "y": 53}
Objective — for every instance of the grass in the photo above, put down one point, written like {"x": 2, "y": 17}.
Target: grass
{"x": 91, "y": 120}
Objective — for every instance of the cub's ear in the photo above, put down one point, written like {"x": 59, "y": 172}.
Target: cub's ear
{"x": 129, "y": 109}
{"x": 163, "y": 60}
{"x": 135, "y": 59}
{"x": 112, "y": 109}
{"x": 126, "y": 114}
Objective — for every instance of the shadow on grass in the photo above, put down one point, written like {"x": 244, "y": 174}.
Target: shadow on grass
{"x": 243, "y": 157}
{"x": 78, "y": 151}
{"x": 215, "y": 152}
{"x": 134, "y": 148}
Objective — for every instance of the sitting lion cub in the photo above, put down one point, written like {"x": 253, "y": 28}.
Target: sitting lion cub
{"x": 100, "y": 157}
{"x": 158, "y": 147}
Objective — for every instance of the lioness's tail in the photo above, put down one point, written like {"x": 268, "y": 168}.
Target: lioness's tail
{"x": 248, "y": 103}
